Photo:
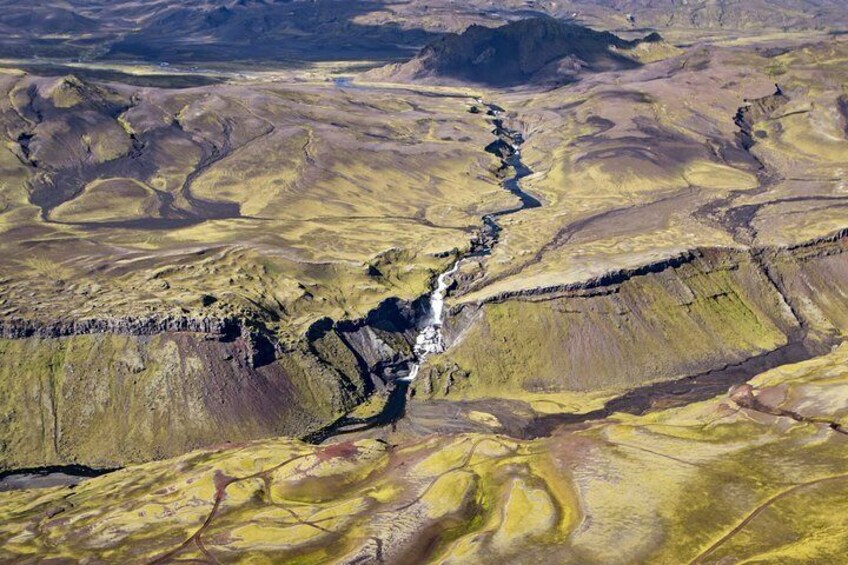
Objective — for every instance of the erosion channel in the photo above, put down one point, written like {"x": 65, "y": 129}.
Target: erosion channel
{"x": 429, "y": 339}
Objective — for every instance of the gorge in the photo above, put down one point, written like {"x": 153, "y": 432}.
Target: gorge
{"x": 443, "y": 282}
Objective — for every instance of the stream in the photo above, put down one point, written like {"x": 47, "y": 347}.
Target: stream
{"x": 430, "y": 339}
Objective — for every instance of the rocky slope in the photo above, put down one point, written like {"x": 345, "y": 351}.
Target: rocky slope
{"x": 293, "y": 328}
{"x": 164, "y": 384}
{"x": 107, "y": 400}
{"x": 537, "y": 50}
{"x": 701, "y": 311}
{"x": 163, "y": 285}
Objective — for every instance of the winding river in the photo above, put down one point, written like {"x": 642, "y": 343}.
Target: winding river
{"x": 430, "y": 339}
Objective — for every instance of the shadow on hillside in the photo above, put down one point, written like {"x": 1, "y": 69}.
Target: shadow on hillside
{"x": 282, "y": 32}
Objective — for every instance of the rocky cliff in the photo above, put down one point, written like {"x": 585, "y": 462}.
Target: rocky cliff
{"x": 105, "y": 400}
{"x": 700, "y": 311}
{"x": 105, "y": 393}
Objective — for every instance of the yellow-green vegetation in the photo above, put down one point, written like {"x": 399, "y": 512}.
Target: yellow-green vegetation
{"x": 649, "y": 52}
{"x": 371, "y": 407}
{"x": 274, "y": 205}
{"x": 107, "y": 400}
{"x": 703, "y": 314}
{"x": 274, "y": 199}
{"x": 758, "y": 475}
{"x": 634, "y": 171}
{"x": 190, "y": 270}
{"x": 633, "y": 175}
{"x": 288, "y": 203}
{"x": 721, "y": 177}
{"x": 110, "y": 200}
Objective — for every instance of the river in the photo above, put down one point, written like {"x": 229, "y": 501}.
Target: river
{"x": 430, "y": 339}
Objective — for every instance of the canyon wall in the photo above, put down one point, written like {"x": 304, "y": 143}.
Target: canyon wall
{"x": 105, "y": 393}
{"x": 105, "y": 400}
{"x": 108, "y": 393}
{"x": 699, "y": 312}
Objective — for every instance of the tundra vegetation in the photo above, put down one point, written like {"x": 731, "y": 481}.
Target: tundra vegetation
{"x": 220, "y": 224}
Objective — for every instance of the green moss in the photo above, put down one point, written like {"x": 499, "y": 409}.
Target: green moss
{"x": 656, "y": 327}
{"x": 106, "y": 400}
{"x": 708, "y": 480}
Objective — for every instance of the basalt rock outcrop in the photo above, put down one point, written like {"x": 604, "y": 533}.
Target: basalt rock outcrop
{"x": 757, "y": 110}
{"x": 257, "y": 344}
{"x": 109, "y": 392}
{"x": 701, "y": 311}
{"x": 380, "y": 345}
{"x": 217, "y": 327}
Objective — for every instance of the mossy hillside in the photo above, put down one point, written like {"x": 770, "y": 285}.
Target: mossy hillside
{"x": 364, "y": 196}
{"x": 628, "y": 161}
{"x": 109, "y": 400}
{"x": 813, "y": 276}
{"x": 112, "y": 200}
{"x": 801, "y": 526}
{"x": 708, "y": 482}
{"x": 682, "y": 321}
{"x": 631, "y": 173}
{"x": 367, "y": 197}
{"x": 810, "y": 389}
{"x": 805, "y": 136}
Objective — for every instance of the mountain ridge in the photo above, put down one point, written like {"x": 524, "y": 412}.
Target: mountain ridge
{"x": 533, "y": 50}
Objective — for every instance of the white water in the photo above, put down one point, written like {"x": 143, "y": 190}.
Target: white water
{"x": 430, "y": 339}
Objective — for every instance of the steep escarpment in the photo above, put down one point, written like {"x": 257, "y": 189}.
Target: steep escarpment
{"x": 813, "y": 276}
{"x": 755, "y": 111}
{"x": 699, "y": 312}
{"x": 222, "y": 370}
{"x": 19, "y": 328}
{"x": 694, "y": 313}
{"x": 109, "y": 392}
{"x": 379, "y": 347}
{"x": 108, "y": 399}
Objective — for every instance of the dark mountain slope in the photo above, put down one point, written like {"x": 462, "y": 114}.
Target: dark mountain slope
{"x": 266, "y": 31}
{"x": 533, "y": 50}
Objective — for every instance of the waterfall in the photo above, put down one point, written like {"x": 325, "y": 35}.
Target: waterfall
{"x": 430, "y": 339}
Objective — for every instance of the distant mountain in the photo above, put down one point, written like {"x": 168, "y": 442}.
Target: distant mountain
{"x": 265, "y": 30}
{"x": 204, "y": 30}
{"x": 527, "y": 51}
{"x": 751, "y": 15}
{"x": 275, "y": 31}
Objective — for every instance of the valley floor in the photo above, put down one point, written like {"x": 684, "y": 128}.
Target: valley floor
{"x": 759, "y": 474}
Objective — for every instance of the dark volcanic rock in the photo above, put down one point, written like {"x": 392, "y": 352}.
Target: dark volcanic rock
{"x": 755, "y": 111}
{"x": 20, "y": 329}
{"x": 531, "y": 50}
